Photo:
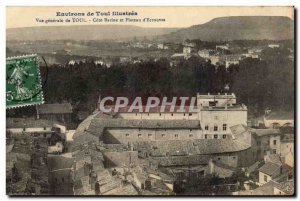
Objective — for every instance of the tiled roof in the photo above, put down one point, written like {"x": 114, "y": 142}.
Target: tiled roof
{"x": 287, "y": 187}
{"x": 27, "y": 123}
{"x": 56, "y": 108}
{"x": 268, "y": 131}
{"x": 269, "y": 168}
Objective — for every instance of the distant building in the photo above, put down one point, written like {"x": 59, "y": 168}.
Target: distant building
{"x": 205, "y": 53}
{"x": 60, "y": 112}
{"x": 222, "y": 47}
{"x": 232, "y": 60}
{"x": 278, "y": 119}
{"x": 274, "y": 45}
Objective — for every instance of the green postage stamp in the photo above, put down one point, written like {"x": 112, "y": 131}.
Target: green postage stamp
{"x": 23, "y": 81}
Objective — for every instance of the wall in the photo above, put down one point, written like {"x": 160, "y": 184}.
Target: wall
{"x": 230, "y": 159}
{"x": 261, "y": 178}
{"x": 120, "y": 135}
{"x": 28, "y": 130}
{"x": 211, "y": 118}
{"x": 61, "y": 182}
{"x": 160, "y": 116}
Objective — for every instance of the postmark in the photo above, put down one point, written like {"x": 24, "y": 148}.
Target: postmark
{"x": 23, "y": 81}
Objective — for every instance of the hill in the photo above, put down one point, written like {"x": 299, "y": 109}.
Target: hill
{"x": 237, "y": 28}
{"x": 84, "y": 32}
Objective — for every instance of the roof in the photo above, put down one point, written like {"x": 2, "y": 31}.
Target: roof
{"x": 229, "y": 107}
{"x": 28, "y": 123}
{"x": 216, "y": 96}
{"x": 269, "y": 168}
{"x": 266, "y": 189}
{"x": 274, "y": 158}
{"x": 280, "y": 115}
{"x": 95, "y": 126}
{"x": 268, "y": 131}
{"x": 55, "y": 108}
{"x": 287, "y": 187}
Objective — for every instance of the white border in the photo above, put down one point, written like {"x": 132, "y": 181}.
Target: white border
{"x": 5, "y": 3}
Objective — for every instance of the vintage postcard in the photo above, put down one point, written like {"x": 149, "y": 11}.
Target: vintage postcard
{"x": 150, "y": 101}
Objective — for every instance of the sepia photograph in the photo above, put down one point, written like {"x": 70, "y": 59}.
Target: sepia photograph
{"x": 150, "y": 101}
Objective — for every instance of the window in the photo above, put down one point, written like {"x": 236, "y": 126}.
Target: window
{"x": 265, "y": 178}
{"x": 45, "y": 128}
{"x": 159, "y": 114}
{"x": 183, "y": 114}
{"x": 190, "y": 130}
{"x": 171, "y": 114}
{"x": 224, "y": 136}
{"x": 219, "y": 159}
{"x": 206, "y": 127}
{"x": 63, "y": 180}
{"x": 148, "y": 114}
{"x": 215, "y": 136}
{"x": 127, "y": 135}
{"x": 274, "y": 151}
{"x": 176, "y": 135}
{"x": 274, "y": 142}
{"x": 205, "y": 136}
{"x": 135, "y": 114}
{"x": 139, "y": 135}
{"x": 163, "y": 135}
{"x": 215, "y": 128}
{"x": 190, "y": 114}
{"x": 201, "y": 173}
{"x": 191, "y": 135}
{"x": 45, "y": 135}
{"x": 24, "y": 129}
{"x": 224, "y": 127}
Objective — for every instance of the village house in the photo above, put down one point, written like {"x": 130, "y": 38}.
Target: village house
{"x": 206, "y": 54}
{"x": 276, "y": 119}
{"x": 272, "y": 170}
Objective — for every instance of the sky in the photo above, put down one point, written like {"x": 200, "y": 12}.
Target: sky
{"x": 175, "y": 17}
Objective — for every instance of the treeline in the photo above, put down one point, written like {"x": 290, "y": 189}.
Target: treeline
{"x": 260, "y": 84}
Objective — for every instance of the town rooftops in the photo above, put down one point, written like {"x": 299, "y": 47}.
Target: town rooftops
{"x": 280, "y": 115}
{"x": 270, "y": 168}
{"x": 55, "y": 108}
{"x": 27, "y": 123}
